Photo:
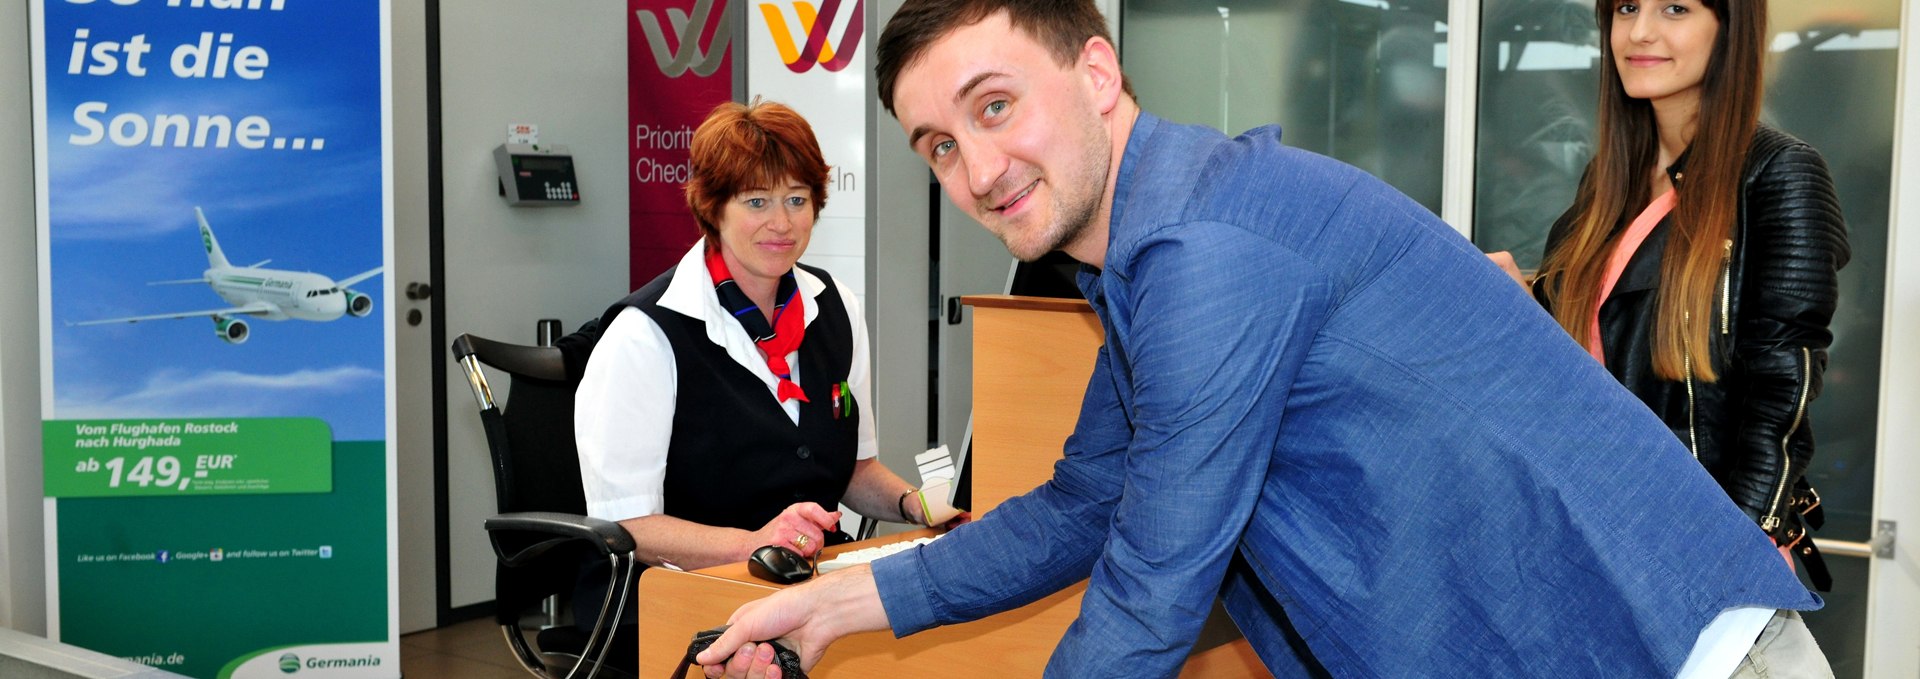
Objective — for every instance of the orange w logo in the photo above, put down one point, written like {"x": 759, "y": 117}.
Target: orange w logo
{"x": 815, "y": 24}
{"x": 689, "y": 56}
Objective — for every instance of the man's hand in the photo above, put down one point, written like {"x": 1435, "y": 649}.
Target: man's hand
{"x": 805, "y": 618}
{"x": 802, "y": 527}
{"x": 1504, "y": 260}
{"x": 752, "y": 661}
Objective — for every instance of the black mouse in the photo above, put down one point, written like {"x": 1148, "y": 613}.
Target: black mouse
{"x": 774, "y": 563}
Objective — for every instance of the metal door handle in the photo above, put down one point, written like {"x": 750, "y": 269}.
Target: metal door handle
{"x": 1881, "y": 546}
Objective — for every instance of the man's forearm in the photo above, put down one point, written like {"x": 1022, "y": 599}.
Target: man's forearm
{"x": 848, "y": 602}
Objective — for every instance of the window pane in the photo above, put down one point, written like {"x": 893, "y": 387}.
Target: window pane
{"x": 1363, "y": 81}
{"x": 1538, "y": 79}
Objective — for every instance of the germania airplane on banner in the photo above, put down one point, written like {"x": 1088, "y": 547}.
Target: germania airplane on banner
{"x": 271, "y": 294}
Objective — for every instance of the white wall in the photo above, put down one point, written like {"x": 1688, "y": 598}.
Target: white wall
{"x": 23, "y": 605}
{"x": 562, "y": 67}
{"x": 897, "y": 271}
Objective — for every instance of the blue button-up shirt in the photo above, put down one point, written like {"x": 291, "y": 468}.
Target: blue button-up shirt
{"x": 1319, "y": 401}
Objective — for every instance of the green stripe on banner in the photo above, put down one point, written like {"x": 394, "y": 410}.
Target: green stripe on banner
{"x": 191, "y": 584}
{"x": 153, "y": 457}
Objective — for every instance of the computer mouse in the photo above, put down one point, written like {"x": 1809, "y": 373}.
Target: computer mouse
{"x": 774, "y": 563}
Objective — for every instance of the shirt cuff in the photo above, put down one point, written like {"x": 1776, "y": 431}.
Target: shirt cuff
{"x": 904, "y": 596}
{"x": 631, "y": 507}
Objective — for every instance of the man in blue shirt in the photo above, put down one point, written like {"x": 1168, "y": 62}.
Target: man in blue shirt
{"x": 1315, "y": 400}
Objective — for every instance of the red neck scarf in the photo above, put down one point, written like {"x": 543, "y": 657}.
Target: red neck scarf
{"x": 775, "y": 340}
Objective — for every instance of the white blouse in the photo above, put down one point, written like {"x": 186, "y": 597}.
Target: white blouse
{"x": 623, "y": 412}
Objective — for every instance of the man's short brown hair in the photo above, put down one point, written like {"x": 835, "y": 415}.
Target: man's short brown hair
{"x": 748, "y": 146}
{"x": 1062, "y": 26}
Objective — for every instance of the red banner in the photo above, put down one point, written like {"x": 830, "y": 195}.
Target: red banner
{"x": 679, "y": 66}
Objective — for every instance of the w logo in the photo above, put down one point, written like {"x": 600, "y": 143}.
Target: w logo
{"x": 703, "y": 63}
{"x": 817, "y": 50}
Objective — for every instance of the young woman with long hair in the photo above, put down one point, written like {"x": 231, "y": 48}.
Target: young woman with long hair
{"x": 1700, "y": 259}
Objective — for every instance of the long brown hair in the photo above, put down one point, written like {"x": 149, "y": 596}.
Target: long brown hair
{"x": 1701, "y": 225}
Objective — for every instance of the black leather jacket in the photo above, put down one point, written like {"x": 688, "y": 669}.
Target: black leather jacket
{"x": 1778, "y": 288}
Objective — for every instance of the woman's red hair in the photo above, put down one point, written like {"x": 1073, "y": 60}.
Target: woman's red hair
{"x": 740, "y": 147}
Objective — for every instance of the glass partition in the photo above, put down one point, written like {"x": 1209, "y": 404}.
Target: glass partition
{"x": 1538, "y": 79}
{"x": 1363, "y": 81}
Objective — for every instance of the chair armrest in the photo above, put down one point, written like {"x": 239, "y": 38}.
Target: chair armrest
{"x": 520, "y": 537}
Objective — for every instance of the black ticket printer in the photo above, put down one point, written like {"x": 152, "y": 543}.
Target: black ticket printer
{"x": 536, "y": 175}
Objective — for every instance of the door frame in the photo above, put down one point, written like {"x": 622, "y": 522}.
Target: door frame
{"x": 1893, "y": 591}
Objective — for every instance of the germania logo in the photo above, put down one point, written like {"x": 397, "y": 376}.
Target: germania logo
{"x": 690, "y": 55}
{"x": 814, "y": 25}
{"x": 289, "y": 663}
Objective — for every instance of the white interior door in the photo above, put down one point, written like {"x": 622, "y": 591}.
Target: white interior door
{"x": 413, "y": 350}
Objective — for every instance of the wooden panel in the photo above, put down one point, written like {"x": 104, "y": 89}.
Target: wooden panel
{"x": 1032, "y": 359}
{"x": 1017, "y": 643}
{"x": 1030, "y": 370}
{"x": 1026, "y": 303}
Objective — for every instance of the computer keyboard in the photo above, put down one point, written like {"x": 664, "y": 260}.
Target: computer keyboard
{"x": 863, "y": 556}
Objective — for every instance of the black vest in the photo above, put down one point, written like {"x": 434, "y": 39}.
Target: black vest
{"x": 735, "y": 459}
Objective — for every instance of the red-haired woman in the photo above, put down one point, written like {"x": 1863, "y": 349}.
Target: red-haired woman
{"x": 1700, "y": 259}
{"x": 725, "y": 406}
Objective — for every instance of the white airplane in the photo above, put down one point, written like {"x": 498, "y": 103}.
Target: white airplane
{"x": 271, "y": 294}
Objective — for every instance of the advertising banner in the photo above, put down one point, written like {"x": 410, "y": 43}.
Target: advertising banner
{"x": 679, "y": 66}
{"x": 215, "y": 226}
{"x": 808, "y": 54}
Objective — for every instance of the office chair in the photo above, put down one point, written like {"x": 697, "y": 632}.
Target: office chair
{"x": 541, "y": 535}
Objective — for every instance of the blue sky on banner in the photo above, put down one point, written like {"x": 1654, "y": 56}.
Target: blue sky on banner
{"x": 121, "y": 203}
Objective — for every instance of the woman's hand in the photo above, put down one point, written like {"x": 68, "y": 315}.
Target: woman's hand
{"x": 1504, "y": 260}
{"x": 802, "y": 528}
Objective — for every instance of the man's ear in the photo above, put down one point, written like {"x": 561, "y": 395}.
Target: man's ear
{"x": 1101, "y": 65}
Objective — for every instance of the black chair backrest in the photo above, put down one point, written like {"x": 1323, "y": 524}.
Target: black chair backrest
{"x": 536, "y": 467}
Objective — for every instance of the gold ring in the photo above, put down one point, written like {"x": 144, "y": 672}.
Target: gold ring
{"x": 800, "y": 541}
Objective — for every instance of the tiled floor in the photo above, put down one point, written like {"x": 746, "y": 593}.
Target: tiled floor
{"x": 469, "y": 650}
